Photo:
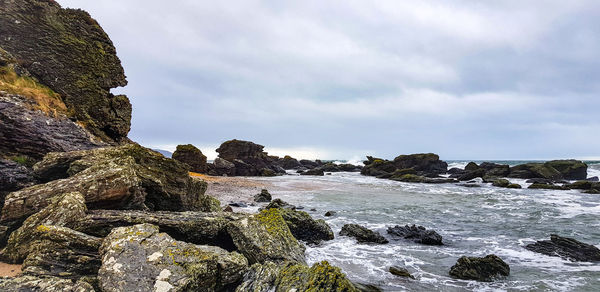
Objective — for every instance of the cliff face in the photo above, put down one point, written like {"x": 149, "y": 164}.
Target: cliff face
{"x": 66, "y": 50}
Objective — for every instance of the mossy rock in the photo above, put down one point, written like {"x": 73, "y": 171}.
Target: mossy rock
{"x": 320, "y": 277}
{"x": 546, "y": 187}
{"x": 191, "y": 156}
{"x": 503, "y": 183}
{"x": 485, "y": 269}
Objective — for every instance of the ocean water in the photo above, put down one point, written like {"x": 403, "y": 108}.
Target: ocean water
{"x": 472, "y": 221}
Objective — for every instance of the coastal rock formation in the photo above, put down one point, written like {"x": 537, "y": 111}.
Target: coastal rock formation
{"x": 400, "y": 272}
{"x": 553, "y": 170}
{"x": 13, "y": 177}
{"x": 287, "y": 162}
{"x": 412, "y": 178}
{"x": 266, "y": 237}
{"x": 139, "y": 258}
{"x": 50, "y": 284}
{"x": 263, "y": 196}
{"x": 248, "y": 159}
{"x": 302, "y": 226}
{"x": 481, "y": 269}
{"x": 74, "y": 57}
{"x": 316, "y": 172}
{"x": 424, "y": 164}
{"x": 124, "y": 177}
{"x": 584, "y": 185}
{"x": 362, "y": 234}
{"x": 418, "y": 234}
{"x": 567, "y": 248}
{"x": 191, "y": 156}
{"x": 221, "y": 167}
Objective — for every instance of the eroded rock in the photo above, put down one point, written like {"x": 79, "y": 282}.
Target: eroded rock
{"x": 567, "y": 248}
{"x": 418, "y": 234}
{"x": 485, "y": 269}
{"x": 362, "y": 234}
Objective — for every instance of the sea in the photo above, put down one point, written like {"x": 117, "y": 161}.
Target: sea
{"x": 472, "y": 222}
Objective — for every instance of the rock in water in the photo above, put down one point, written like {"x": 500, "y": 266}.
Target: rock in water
{"x": 570, "y": 169}
{"x": 566, "y": 248}
{"x": 305, "y": 228}
{"x": 316, "y": 171}
{"x": 400, "y": 272}
{"x": 266, "y": 237}
{"x": 74, "y": 57}
{"x": 264, "y": 196}
{"x": 139, "y": 258}
{"x": 417, "y": 233}
{"x": 362, "y": 234}
{"x": 191, "y": 156}
{"x": 49, "y": 284}
{"x": 480, "y": 269}
{"x": 248, "y": 158}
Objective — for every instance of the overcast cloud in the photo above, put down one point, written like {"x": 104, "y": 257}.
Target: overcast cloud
{"x": 343, "y": 79}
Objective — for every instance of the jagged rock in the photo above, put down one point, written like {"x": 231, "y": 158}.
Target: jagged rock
{"x": 315, "y": 171}
{"x": 469, "y": 175}
{"x": 471, "y": 166}
{"x": 418, "y": 234}
{"x": 74, "y": 57}
{"x": 280, "y": 204}
{"x": 400, "y": 272}
{"x": 552, "y": 170}
{"x": 377, "y": 167}
{"x": 362, "y": 234}
{"x": 124, "y": 177}
{"x": 427, "y": 163}
{"x": 13, "y": 176}
{"x": 191, "y": 156}
{"x": 249, "y": 159}
{"x": 32, "y": 133}
{"x": 139, "y": 258}
{"x": 222, "y": 167}
{"x": 266, "y": 237}
{"x": 304, "y": 227}
{"x": 264, "y": 196}
{"x": 569, "y": 169}
{"x": 546, "y": 187}
{"x": 310, "y": 164}
{"x": 63, "y": 211}
{"x": 567, "y": 248}
{"x": 193, "y": 227}
{"x": 421, "y": 179}
{"x": 290, "y": 276}
{"x": 481, "y": 269}
{"x": 45, "y": 284}
{"x": 287, "y": 162}
{"x": 330, "y": 213}
{"x": 494, "y": 169}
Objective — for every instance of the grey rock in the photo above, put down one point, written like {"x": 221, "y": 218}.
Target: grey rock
{"x": 485, "y": 269}
{"x": 418, "y": 234}
{"x": 567, "y": 248}
{"x": 362, "y": 234}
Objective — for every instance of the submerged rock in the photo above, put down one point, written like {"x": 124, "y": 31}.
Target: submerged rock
{"x": 546, "y": 187}
{"x": 316, "y": 171}
{"x": 266, "y": 237}
{"x": 139, "y": 258}
{"x": 567, "y": 248}
{"x": 362, "y": 234}
{"x": 263, "y": 196}
{"x": 418, "y": 234}
{"x": 481, "y": 269}
{"x": 400, "y": 272}
{"x": 330, "y": 213}
{"x": 191, "y": 156}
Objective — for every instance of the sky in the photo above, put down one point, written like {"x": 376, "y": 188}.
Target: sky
{"x": 344, "y": 79}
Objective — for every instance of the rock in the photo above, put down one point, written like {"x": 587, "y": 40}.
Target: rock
{"x": 378, "y": 167}
{"x": 503, "y": 183}
{"x": 593, "y": 178}
{"x": 471, "y": 166}
{"x": 469, "y": 175}
{"x": 264, "y": 196}
{"x": 400, "y": 272}
{"x": 514, "y": 186}
{"x": 546, "y": 187}
{"x": 539, "y": 181}
{"x": 456, "y": 170}
{"x": 287, "y": 162}
{"x": 238, "y": 204}
{"x": 495, "y": 170}
{"x": 567, "y": 248}
{"x": 265, "y": 237}
{"x": 249, "y": 159}
{"x": 139, "y": 258}
{"x": 316, "y": 171}
{"x": 124, "y": 177}
{"x": 365, "y": 287}
{"x": 45, "y": 284}
{"x": 13, "y": 177}
{"x": 481, "y": 269}
{"x": 427, "y": 163}
{"x": 191, "y": 156}
{"x": 193, "y": 227}
{"x": 305, "y": 228}
{"x": 74, "y": 57}
{"x": 470, "y": 185}
{"x": 228, "y": 209}
{"x": 569, "y": 169}
{"x": 418, "y": 234}
{"x": 280, "y": 204}
{"x": 362, "y": 234}
{"x": 65, "y": 210}
{"x": 582, "y": 185}
{"x": 534, "y": 170}
{"x": 309, "y": 163}
{"x": 330, "y": 213}
{"x": 28, "y": 132}
{"x": 222, "y": 167}
{"x": 421, "y": 179}
{"x": 260, "y": 278}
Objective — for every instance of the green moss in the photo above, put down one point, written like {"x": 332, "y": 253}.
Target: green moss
{"x": 23, "y": 160}
{"x": 320, "y": 277}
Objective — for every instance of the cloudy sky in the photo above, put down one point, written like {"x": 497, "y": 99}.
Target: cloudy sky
{"x": 343, "y": 79}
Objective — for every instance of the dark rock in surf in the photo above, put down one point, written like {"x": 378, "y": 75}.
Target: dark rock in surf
{"x": 330, "y": 213}
{"x": 303, "y": 226}
{"x": 315, "y": 172}
{"x": 287, "y": 162}
{"x": 471, "y": 166}
{"x": 263, "y": 196}
{"x": 418, "y": 234}
{"x": 593, "y": 178}
{"x": 546, "y": 187}
{"x": 400, "y": 272}
{"x": 567, "y": 248}
{"x": 485, "y": 269}
{"x": 362, "y": 234}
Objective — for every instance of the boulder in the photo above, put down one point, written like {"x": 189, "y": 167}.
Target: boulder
{"x": 546, "y": 187}
{"x": 427, "y": 163}
{"x": 316, "y": 172}
{"x": 263, "y": 196}
{"x": 514, "y": 186}
{"x": 249, "y": 159}
{"x": 124, "y": 177}
{"x": 280, "y": 204}
{"x": 471, "y": 166}
{"x": 469, "y": 175}
{"x": 330, "y": 213}
{"x": 221, "y": 167}
{"x": 139, "y": 258}
{"x": 569, "y": 169}
{"x": 74, "y": 57}
{"x": 378, "y": 167}
{"x": 593, "y": 178}
{"x": 310, "y": 164}
{"x": 362, "y": 234}
{"x": 265, "y": 237}
{"x": 418, "y": 234}
{"x": 534, "y": 170}
{"x": 287, "y": 162}
{"x": 503, "y": 183}
{"x": 260, "y": 278}
{"x": 191, "y": 156}
{"x": 400, "y": 272}
{"x": 304, "y": 227}
{"x": 584, "y": 185}
{"x": 49, "y": 284}
{"x": 481, "y": 269}
{"x": 495, "y": 170}
{"x": 421, "y": 179}
{"x": 567, "y": 248}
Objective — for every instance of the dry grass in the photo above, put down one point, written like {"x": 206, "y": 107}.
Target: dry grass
{"x": 45, "y": 99}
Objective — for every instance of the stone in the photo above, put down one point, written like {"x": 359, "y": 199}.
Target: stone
{"x": 377, "y": 167}
{"x": 316, "y": 172}
{"x": 484, "y": 269}
{"x": 569, "y": 169}
{"x": 45, "y": 284}
{"x": 249, "y": 158}
{"x": 400, "y": 272}
{"x": 471, "y": 166}
{"x": 427, "y": 163}
{"x": 362, "y": 234}
{"x": 13, "y": 177}
{"x": 469, "y": 175}
{"x": 514, "y": 186}
{"x": 222, "y": 167}
{"x": 191, "y": 156}
{"x": 546, "y": 187}
{"x": 74, "y": 57}
{"x": 330, "y": 213}
{"x": 139, "y": 258}
{"x": 263, "y": 196}
{"x": 503, "y": 183}
{"x": 495, "y": 170}
{"x": 280, "y": 204}
{"x": 305, "y": 228}
{"x": 567, "y": 248}
{"x": 266, "y": 237}
{"x": 418, "y": 234}
{"x": 287, "y": 162}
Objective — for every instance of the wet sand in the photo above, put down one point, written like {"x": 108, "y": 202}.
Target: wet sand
{"x": 8, "y": 270}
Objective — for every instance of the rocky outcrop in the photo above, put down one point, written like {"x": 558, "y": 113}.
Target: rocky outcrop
{"x": 125, "y": 177}
{"x": 74, "y": 57}
{"x": 400, "y": 272}
{"x": 569, "y": 169}
{"x": 315, "y": 172}
{"x": 302, "y": 226}
{"x": 412, "y": 178}
{"x": 362, "y": 234}
{"x": 567, "y": 248}
{"x": 418, "y": 234}
{"x": 424, "y": 164}
{"x": 221, "y": 167}
{"x": 139, "y": 258}
{"x": 263, "y": 196}
{"x": 584, "y": 185}
{"x": 266, "y": 237}
{"x": 248, "y": 159}
{"x": 49, "y": 284}
{"x": 553, "y": 170}
{"x": 288, "y": 162}
{"x": 378, "y": 167}
{"x": 485, "y": 269}
{"x": 191, "y": 156}
{"x": 13, "y": 177}
{"x": 540, "y": 186}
